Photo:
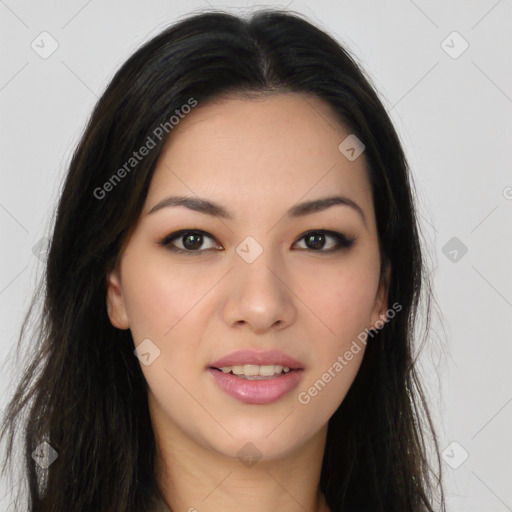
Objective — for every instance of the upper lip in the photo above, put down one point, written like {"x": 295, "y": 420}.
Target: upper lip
{"x": 268, "y": 357}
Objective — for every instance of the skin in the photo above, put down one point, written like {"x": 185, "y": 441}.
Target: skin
{"x": 257, "y": 158}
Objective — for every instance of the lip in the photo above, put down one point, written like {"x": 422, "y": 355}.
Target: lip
{"x": 241, "y": 357}
{"x": 256, "y": 392}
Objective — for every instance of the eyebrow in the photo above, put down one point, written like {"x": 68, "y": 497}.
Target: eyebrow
{"x": 208, "y": 207}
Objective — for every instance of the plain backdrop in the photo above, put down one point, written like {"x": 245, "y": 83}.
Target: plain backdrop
{"x": 442, "y": 69}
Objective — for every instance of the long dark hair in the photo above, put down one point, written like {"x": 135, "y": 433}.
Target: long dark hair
{"x": 84, "y": 392}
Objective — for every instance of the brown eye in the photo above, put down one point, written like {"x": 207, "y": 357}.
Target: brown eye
{"x": 316, "y": 241}
{"x": 191, "y": 241}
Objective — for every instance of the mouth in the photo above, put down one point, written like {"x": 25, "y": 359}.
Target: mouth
{"x": 254, "y": 363}
{"x": 255, "y": 377}
{"x": 256, "y": 372}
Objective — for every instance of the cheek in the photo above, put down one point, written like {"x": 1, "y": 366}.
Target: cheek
{"x": 342, "y": 301}
{"x": 159, "y": 295}
{"x": 165, "y": 303}
{"x": 168, "y": 304}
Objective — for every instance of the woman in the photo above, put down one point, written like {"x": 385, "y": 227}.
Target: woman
{"x": 231, "y": 289}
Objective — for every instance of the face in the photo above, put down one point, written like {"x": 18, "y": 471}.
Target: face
{"x": 256, "y": 273}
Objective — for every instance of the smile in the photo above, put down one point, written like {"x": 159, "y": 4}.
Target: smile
{"x": 256, "y": 389}
{"x": 256, "y": 372}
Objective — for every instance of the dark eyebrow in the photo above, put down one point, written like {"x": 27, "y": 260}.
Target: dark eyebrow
{"x": 216, "y": 210}
{"x": 318, "y": 205}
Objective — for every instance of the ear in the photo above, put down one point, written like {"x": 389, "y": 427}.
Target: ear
{"x": 379, "y": 313}
{"x": 116, "y": 307}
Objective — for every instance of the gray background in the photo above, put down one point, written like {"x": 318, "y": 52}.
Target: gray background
{"x": 452, "y": 110}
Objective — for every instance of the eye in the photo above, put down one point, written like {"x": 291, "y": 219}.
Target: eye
{"x": 191, "y": 240}
{"x": 315, "y": 240}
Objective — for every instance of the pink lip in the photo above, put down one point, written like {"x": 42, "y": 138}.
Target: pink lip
{"x": 241, "y": 357}
{"x": 256, "y": 392}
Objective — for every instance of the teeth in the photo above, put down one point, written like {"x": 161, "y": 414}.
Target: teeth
{"x": 268, "y": 370}
{"x": 254, "y": 370}
{"x": 251, "y": 370}
{"x": 237, "y": 370}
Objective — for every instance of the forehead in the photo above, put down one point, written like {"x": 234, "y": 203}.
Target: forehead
{"x": 280, "y": 146}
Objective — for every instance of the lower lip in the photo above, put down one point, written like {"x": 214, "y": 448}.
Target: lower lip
{"x": 257, "y": 392}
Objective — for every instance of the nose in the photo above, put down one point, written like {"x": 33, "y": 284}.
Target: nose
{"x": 259, "y": 295}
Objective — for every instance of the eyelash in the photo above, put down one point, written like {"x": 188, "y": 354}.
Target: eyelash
{"x": 343, "y": 242}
